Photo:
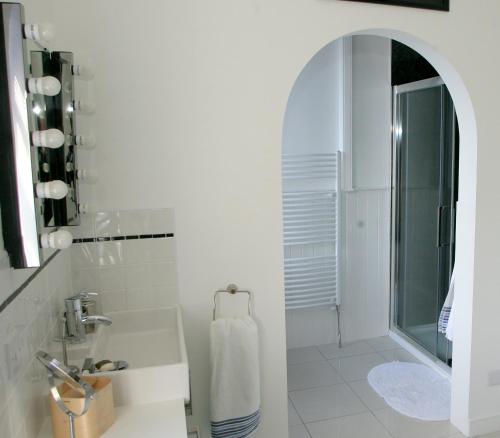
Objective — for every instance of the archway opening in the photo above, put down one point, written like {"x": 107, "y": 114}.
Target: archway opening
{"x": 343, "y": 180}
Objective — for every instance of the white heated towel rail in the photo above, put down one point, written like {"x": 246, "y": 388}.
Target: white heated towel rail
{"x": 311, "y": 229}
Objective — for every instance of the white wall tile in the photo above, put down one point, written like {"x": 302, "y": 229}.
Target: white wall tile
{"x": 165, "y": 296}
{"x": 83, "y": 255}
{"x": 86, "y": 228}
{"x": 110, "y": 253}
{"x": 112, "y": 301}
{"x": 85, "y": 279}
{"x": 107, "y": 224}
{"x": 160, "y": 249}
{"x": 111, "y": 278}
{"x": 161, "y": 274}
{"x": 26, "y": 325}
{"x": 136, "y": 251}
{"x": 137, "y": 277}
{"x": 131, "y": 274}
{"x": 161, "y": 221}
{"x": 133, "y": 222}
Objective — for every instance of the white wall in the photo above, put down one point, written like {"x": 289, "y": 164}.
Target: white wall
{"x": 312, "y": 118}
{"x": 191, "y": 97}
{"x": 371, "y": 113}
{"x": 366, "y": 201}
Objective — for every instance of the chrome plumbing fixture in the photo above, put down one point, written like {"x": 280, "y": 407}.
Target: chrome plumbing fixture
{"x": 76, "y": 320}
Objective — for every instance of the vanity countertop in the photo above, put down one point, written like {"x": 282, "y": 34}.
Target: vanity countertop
{"x": 153, "y": 420}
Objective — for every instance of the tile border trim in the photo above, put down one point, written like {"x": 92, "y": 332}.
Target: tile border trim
{"x": 128, "y": 237}
{"x": 23, "y": 286}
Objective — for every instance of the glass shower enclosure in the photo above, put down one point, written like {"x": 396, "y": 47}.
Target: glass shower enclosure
{"x": 424, "y": 195}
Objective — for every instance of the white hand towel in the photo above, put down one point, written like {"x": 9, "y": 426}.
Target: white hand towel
{"x": 446, "y": 318}
{"x": 451, "y": 320}
{"x": 235, "y": 382}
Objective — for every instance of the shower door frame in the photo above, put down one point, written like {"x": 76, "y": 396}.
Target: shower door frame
{"x": 394, "y": 330}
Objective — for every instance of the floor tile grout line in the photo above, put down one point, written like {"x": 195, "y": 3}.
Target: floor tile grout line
{"x": 296, "y": 410}
{"x": 317, "y": 347}
{"x": 369, "y": 409}
{"x": 338, "y": 418}
{"x": 309, "y": 361}
{"x": 340, "y": 374}
{"x": 349, "y": 355}
{"x": 357, "y": 355}
{"x": 317, "y": 387}
{"x": 382, "y": 424}
{"x": 330, "y": 418}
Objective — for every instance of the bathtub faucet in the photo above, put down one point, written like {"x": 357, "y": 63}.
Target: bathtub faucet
{"x": 76, "y": 320}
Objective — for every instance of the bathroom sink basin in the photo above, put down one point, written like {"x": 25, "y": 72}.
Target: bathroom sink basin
{"x": 152, "y": 342}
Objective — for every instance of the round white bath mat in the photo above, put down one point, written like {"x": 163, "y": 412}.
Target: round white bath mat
{"x": 412, "y": 389}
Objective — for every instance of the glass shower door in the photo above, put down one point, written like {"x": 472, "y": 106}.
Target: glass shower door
{"x": 423, "y": 203}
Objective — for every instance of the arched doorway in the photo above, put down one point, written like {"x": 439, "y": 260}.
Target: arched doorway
{"x": 465, "y": 218}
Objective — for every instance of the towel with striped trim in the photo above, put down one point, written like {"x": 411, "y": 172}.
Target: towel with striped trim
{"x": 235, "y": 380}
{"x": 237, "y": 427}
{"x": 445, "y": 322}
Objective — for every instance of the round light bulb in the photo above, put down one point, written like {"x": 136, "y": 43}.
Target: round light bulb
{"x": 41, "y": 32}
{"x": 83, "y": 107}
{"x": 82, "y": 71}
{"x": 48, "y": 86}
{"x": 53, "y": 189}
{"x": 50, "y": 138}
{"x": 60, "y": 239}
{"x": 85, "y": 141}
{"x": 88, "y": 176}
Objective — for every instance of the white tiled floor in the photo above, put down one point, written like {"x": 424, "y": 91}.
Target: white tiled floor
{"x": 329, "y": 396}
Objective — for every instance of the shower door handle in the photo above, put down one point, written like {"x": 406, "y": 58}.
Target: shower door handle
{"x": 442, "y": 210}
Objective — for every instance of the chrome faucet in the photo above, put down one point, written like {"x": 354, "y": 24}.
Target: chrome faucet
{"x": 76, "y": 320}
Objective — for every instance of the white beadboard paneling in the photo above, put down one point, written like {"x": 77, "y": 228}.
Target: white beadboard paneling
{"x": 365, "y": 264}
{"x": 315, "y": 326}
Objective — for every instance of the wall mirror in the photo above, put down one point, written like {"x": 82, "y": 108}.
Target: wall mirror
{"x": 38, "y": 164}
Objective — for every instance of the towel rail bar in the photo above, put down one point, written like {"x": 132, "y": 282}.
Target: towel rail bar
{"x": 232, "y": 289}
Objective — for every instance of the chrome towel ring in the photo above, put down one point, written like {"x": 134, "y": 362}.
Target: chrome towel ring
{"x": 232, "y": 289}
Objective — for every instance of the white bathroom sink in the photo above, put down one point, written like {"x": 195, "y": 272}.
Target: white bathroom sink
{"x": 152, "y": 342}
